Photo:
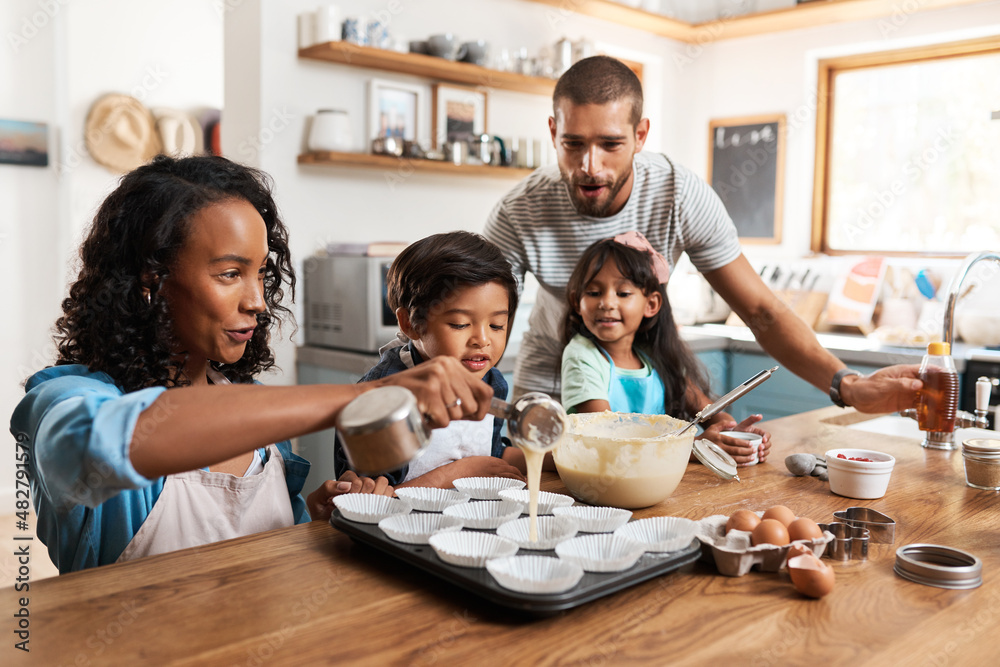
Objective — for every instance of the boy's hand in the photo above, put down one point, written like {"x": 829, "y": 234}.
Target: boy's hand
{"x": 320, "y": 502}
{"x": 471, "y": 466}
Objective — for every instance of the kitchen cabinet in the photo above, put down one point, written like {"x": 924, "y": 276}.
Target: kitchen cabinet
{"x": 808, "y": 15}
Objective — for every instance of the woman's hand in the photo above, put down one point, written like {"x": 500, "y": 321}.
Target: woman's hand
{"x": 445, "y": 390}
{"x": 471, "y": 466}
{"x": 740, "y": 450}
{"x": 320, "y": 502}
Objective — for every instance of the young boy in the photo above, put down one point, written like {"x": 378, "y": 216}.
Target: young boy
{"x": 453, "y": 295}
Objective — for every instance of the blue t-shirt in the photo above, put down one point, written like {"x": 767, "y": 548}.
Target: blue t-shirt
{"x": 77, "y": 426}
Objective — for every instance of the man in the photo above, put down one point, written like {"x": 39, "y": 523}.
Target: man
{"x": 605, "y": 186}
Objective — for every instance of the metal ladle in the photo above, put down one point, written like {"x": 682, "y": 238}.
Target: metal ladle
{"x": 534, "y": 421}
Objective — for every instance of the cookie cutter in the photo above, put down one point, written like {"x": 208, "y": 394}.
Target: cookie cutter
{"x": 881, "y": 527}
{"x": 849, "y": 542}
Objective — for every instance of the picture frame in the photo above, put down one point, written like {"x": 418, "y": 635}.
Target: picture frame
{"x": 24, "y": 143}
{"x": 394, "y": 109}
{"x": 746, "y": 168}
{"x": 456, "y": 111}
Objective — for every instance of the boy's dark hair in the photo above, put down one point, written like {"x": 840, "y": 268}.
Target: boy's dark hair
{"x": 107, "y": 323}
{"x": 657, "y": 336}
{"x": 599, "y": 80}
{"x": 427, "y": 271}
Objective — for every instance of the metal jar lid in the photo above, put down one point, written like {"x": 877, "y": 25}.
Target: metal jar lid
{"x": 376, "y": 409}
{"x": 936, "y": 565}
{"x": 982, "y": 448}
{"x": 716, "y": 459}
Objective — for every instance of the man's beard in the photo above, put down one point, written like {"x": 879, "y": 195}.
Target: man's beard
{"x": 594, "y": 208}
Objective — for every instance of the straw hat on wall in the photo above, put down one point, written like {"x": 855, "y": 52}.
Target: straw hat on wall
{"x": 121, "y": 133}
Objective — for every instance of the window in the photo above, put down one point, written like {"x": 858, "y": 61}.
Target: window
{"x": 908, "y": 151}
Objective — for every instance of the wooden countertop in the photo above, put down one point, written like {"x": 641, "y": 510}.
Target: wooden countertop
{"x": 307, "y": 595}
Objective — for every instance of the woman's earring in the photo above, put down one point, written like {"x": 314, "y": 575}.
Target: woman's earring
{"x": 146, "y": 295}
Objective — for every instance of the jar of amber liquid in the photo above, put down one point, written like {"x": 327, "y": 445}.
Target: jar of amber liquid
{"x": 937, "y": 400}
{"x": 982, "y": 463}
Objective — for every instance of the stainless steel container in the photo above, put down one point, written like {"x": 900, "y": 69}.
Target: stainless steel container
{"x": 382, "y": 430}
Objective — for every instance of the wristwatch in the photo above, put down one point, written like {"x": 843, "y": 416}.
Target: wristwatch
{"x": 835, "y": 385}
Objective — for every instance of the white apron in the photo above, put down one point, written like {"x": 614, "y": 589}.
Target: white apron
{"x": 199, "y": 507}
{"x": 457, "y": 440}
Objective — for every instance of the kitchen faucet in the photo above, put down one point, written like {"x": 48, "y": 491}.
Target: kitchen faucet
{"x": 946, "y": 440}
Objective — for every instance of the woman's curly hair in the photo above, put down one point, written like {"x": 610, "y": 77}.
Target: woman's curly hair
{"x": 108, "y": 324}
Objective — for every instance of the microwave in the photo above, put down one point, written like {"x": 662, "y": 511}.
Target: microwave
{"x": 346, "y": 304}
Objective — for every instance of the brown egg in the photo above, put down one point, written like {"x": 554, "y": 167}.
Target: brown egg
{"x": 811, "y": 576}
{"x": 804, "y": 529}
{"x": 742, "y": 520}
{"x": 769, "y": 531}
{"x": 781, "y": 513}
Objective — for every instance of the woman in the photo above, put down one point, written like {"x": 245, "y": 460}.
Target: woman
{"x": 147, "y": 435}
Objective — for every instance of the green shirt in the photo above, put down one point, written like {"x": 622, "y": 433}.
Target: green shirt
{"x": 586, "y": 372}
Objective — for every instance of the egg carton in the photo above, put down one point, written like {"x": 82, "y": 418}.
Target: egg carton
{"x": 733, "y": 554}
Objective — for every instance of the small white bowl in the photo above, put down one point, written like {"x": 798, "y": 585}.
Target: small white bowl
{"x": 535, "y": 574}
{"x": 859, "y": 479}
{"x": 595, "y": 519}
{"x": 600, "y": 553}
{"x": 753, "y": 439}
{"x": 431, "y": 499}
{"x": 485, "y": 515}
{"x": 417, "y": 528}
{"x": 546, "y": 501}
{"x": 486, "y": 488}
{"x": 368, "y": 507}
{"x": 551, "y": 531}
{"x": 660, "y": 533}
{"x": 471, "y": 549}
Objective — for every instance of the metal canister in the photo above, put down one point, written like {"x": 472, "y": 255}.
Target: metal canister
{"x": 562, "y": 59}
{"x": 382, "y": 430}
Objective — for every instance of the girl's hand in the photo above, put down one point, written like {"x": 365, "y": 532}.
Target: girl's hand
{"x": 740, "y": 450}
{"x": 320, "y": 502}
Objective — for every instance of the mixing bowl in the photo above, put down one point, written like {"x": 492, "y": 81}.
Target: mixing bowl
{"x": 621, "y": 459}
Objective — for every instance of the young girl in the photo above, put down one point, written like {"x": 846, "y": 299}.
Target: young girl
{"x": 150, "y": 434}
{"x": 454, "y": 296}
{"x": 623, "y": 352}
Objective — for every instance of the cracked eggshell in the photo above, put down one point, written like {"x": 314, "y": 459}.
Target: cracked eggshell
{"x": 810, "y": 576}
{"x": 733, "y": 554}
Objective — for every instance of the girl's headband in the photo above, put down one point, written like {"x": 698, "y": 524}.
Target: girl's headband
{"x": 636, "y": 240}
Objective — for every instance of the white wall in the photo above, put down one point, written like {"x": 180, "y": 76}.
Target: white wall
{"x": 166, "y": 54}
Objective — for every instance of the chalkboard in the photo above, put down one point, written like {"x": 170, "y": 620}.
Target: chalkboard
{"x": 746, "y": 169}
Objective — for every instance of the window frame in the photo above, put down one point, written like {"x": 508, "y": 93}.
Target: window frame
{"x": 825, "y": 94}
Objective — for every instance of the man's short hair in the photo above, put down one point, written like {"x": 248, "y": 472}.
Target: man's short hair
{"x": 600, "y": 80}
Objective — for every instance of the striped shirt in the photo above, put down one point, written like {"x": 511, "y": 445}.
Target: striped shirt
{"x": 539, "y": 230}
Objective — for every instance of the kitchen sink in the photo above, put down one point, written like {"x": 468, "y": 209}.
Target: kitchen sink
{"x": 902, "y": 427}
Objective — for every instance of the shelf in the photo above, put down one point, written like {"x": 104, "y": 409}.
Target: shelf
{"x": 807, "y": 15}
{"x": 403, "y": 166}
{"x": 431, "y": 67}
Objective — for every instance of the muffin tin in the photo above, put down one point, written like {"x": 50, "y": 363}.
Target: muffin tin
{"x": 470, "y": 575}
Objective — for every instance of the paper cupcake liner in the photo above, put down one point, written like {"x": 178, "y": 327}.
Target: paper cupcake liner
{"x": 600, "y": 553}
{"x": 660, "y": 533}
{"x": 546, "y": 501}
{"x": 535, "y": 574}
{"x": 595, "y": 519}
{"x": 551, "y": 531}
{"x": 369, "y": 508}
{"x": 470, "y": 549}
{"x": 485, "y": 515}
{"x": 417, "y": 528}
{"x": 431, "y": 499}
{"x": 486, "y": 488}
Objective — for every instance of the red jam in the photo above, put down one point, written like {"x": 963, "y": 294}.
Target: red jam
{"x": 854, "y": 458}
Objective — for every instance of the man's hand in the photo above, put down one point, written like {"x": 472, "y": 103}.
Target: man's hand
{"x": 889, "y": 389}
{"x": 320, "y": 502}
